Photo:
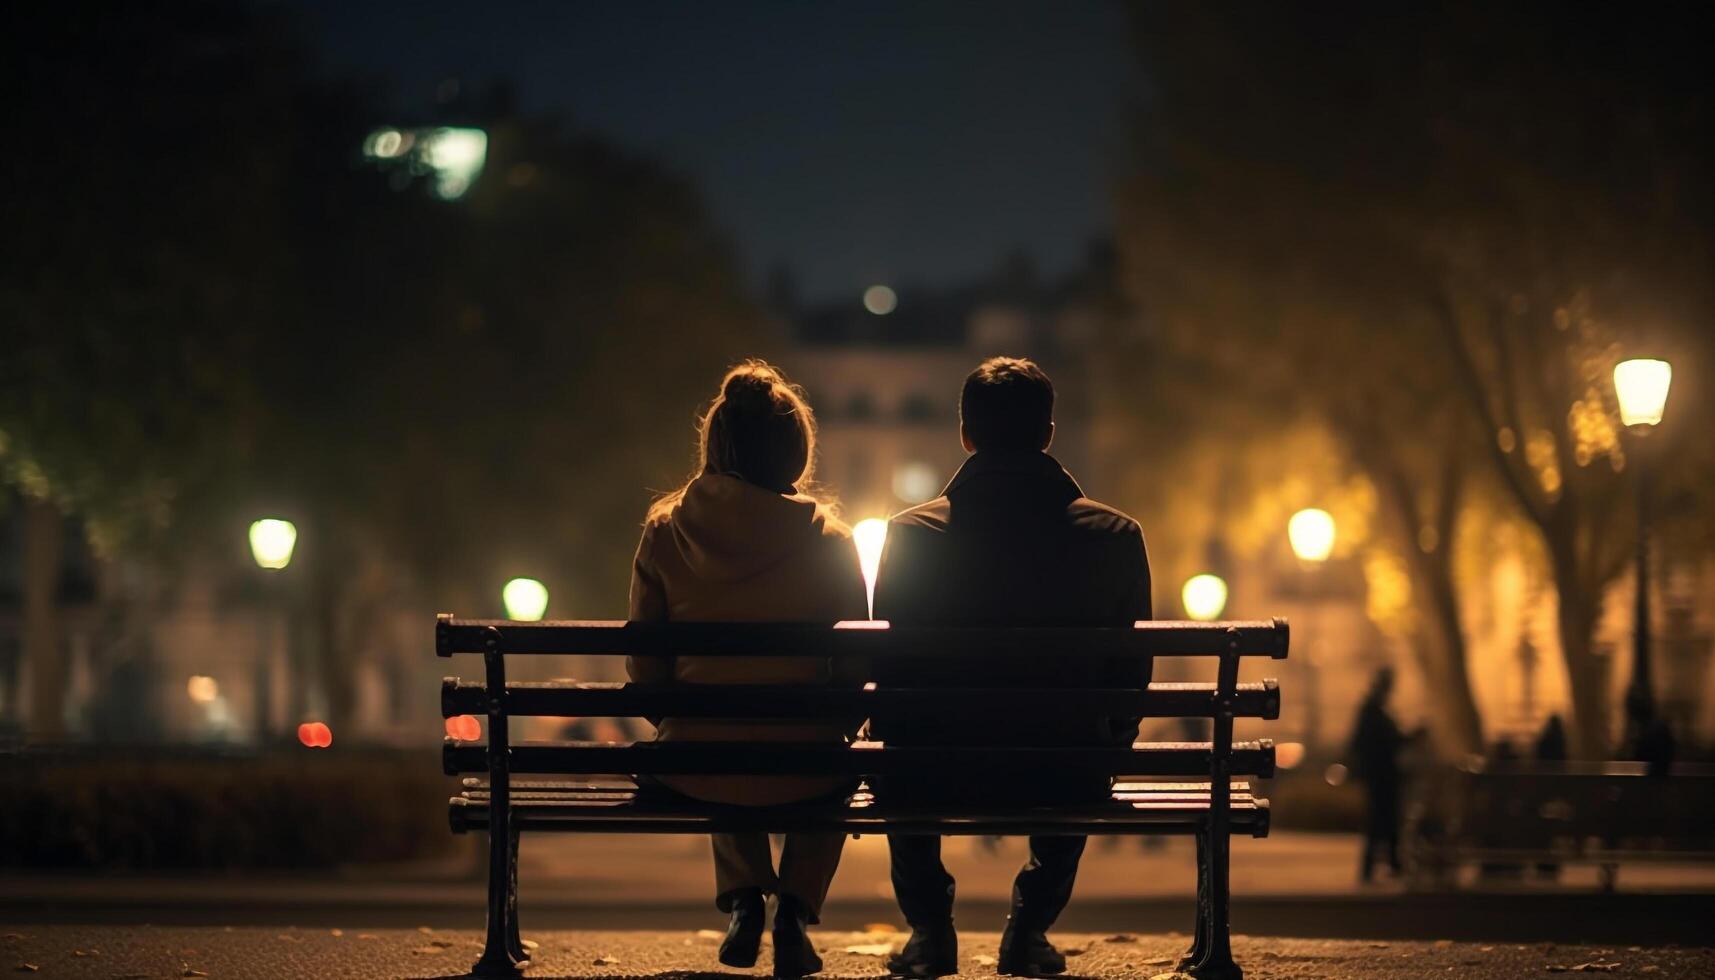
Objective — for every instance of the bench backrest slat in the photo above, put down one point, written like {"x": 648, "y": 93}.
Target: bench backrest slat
{"x": 1156, "y": 638}
{"x": 569, "y": 700}
{"x": 749, "y": 758}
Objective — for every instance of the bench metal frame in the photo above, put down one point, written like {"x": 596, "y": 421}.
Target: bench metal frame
{"x": 1160, "y": 808}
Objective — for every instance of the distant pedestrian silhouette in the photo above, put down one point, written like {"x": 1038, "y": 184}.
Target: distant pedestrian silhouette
{"x": 1376, "y": 744}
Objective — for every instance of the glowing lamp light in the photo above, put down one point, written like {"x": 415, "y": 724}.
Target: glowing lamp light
{"x": 526, "y": 599}
{"x": 465, "y": 728}
{"x": 1287, "y": 755}
{"x": 315, "y": 735}
{"x": 880, "y": 300}
{"x": 1311, "y": 532}
{"x": 272, "y": 541}
{"x": 870, "y": 535}
{"x": 1204, "y": 597}
{"x": 202, "y": 689}
{"x": 456, "y": 154}
{"x": 1641, "y": 385}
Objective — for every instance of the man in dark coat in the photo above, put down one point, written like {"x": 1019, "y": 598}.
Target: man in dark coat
{"x": 1012, "y": 541}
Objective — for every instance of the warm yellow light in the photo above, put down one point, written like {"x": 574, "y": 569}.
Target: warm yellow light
{"x": 1641, "y": 385}
{"x": 869, "y": 536}
{"x": 1204, "y": 596}
{"x": 1287, "y": 755}
{"x": 880, "y": 300}
{"x": 916, "y": 482}
{"x": 1311, "y": 532}
{"x": 526, "y": 599}
{"x": 272, "y": 541}
{"x": 202, "y": 689}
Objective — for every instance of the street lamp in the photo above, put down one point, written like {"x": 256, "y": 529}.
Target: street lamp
{"x": 272, "y": 541}
{"x": 1204, "y": 597}
{"x": 1311, "y": 533}
{"x": 526, "y": 599}
{"x": 1641, "y": 385}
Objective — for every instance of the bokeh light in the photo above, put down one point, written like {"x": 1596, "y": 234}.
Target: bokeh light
{"x": 880, "y": 300}
{"x": 202, "y": 689}
{"x": 272, "y": 541}
{"x": 315, "y": 735}
{"x": 915, "y": 482}
{"x": 526, "y": 599}
{"x": 1311, "y": 532}
{"x": 1204, "y": 596}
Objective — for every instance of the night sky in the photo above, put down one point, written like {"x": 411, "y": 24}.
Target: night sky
{"x": 898, "y": 142}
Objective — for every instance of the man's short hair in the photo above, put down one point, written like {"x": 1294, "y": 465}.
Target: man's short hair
{"x": 1007, "y": 403}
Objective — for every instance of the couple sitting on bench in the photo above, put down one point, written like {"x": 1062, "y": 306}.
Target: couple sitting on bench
{"x": 1012, "y": 541}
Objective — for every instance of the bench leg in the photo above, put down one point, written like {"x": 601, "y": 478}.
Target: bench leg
{"x": 513, "y": 944}
{"x": 502, "y": 953}
{"x": 1216, "y": 962}
{"x": 1200, "y": 935}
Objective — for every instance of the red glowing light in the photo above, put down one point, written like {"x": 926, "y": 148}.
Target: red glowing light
{"x": 315, "y": 735}
{"x": 465, "y": 728}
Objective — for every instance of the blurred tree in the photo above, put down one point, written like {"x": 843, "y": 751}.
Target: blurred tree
{"x": 223, "y": 310}
{"x": 135, "y": 273}
{"x": 1424, "y": 224}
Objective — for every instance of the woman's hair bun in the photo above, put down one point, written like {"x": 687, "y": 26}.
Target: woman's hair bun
{"x": 751, "y": 385}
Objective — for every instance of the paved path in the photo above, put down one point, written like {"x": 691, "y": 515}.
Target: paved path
{"x": 138, "y": 953}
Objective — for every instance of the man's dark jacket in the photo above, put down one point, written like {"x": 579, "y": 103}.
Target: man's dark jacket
{"x": 1012, "y": 541}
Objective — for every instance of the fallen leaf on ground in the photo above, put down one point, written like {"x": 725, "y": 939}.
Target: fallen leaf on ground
{"x": 605, "y": 961}
{"x": 1596, "y": 966}
{"x": 529, "y": 943}
{"x": 1159, "y": 961}
{"x": 85, "y": 952}
{"x": 336, "y": 932}
{"x": 443, "y": 943}
{"x": 188, "y": 972}
{"x": 425, "y": 930}
{"x": 428, "y": 950}
{"x": 871, "y": 949}
{"x": 984, "y": 960}
{"x": 1121, "y": 938}
{"x": 367, "y": 935}
{"x": 708, "y": 934}
{"x": 1378, "y": 945}
{"x": 1485, "y": 949}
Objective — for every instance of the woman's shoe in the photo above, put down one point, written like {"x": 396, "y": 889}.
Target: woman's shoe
{"x": 744, "y": 932}
{"x": 793, "y": 954}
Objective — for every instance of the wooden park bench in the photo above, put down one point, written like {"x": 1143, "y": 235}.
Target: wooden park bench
{"x": 1181, "y": 788}
{"x": 1510, "y": 817}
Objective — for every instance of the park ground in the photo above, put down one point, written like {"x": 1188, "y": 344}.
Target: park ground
{"x": 141, "y": 952}
{"x": 639, "y": 906}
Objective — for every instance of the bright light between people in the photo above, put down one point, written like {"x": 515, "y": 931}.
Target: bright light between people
{"x": 1311, "y": 532}
{"x": 526, "y": 599}
{"x": 1204, "y": 597}
{"x": 869, "y": 536}
{"x": 1641, "y": 385}
{"x": 880, "y": 300}
{"x": 272, "y": 541}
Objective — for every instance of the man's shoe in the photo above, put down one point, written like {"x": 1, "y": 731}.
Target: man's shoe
{"x": 930, "y": 952}
{"x": 793, "y": 954}
{"x": 1028, "y": 953}
{"x": 744, "y": 932}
